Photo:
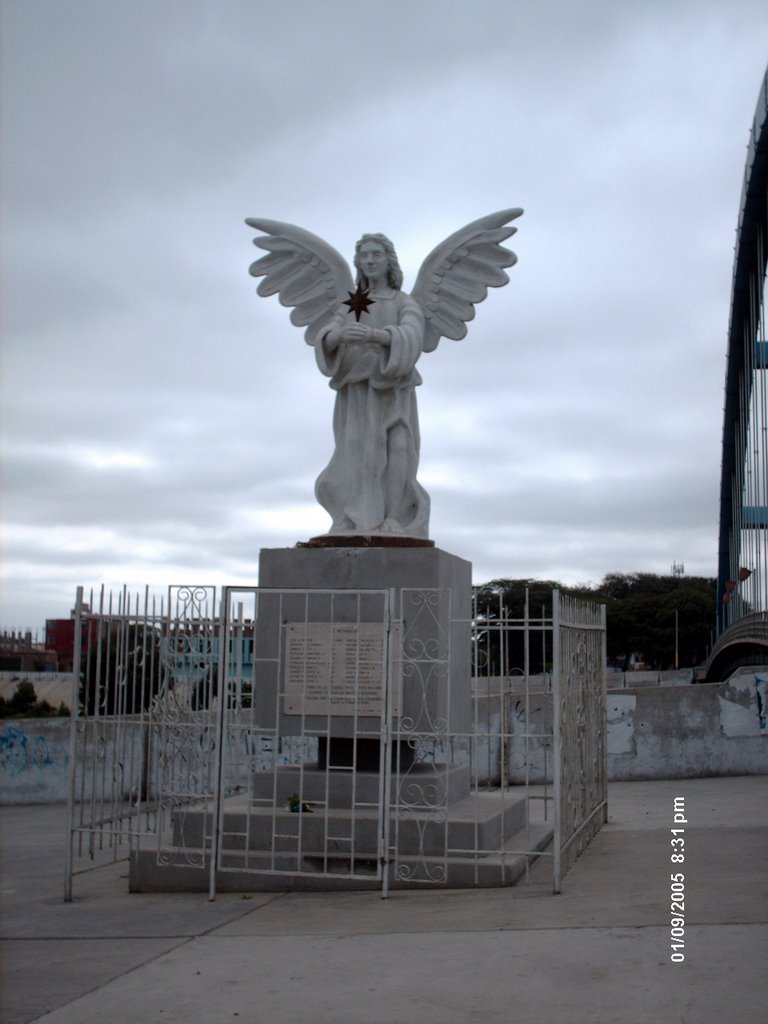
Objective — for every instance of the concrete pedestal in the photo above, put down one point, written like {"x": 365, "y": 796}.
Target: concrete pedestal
{"x": 317, "y": 818}
{"x": 432, "y": 602}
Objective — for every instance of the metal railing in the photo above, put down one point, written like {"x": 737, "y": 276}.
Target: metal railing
{"x": 334, "y": 735}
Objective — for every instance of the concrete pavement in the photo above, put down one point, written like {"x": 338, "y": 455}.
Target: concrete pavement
{"x": 598, "y": 953}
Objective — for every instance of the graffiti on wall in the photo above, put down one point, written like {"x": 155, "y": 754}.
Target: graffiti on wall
{"x": 743, "y": 704}
{"x": 620, "y": 709}
{"x": 761, "y": 686}
{"x": 20, "y": 752}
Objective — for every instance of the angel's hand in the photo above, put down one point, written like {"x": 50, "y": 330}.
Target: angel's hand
{"x": 361, "y": 333}
{"x": 356, "y": 332}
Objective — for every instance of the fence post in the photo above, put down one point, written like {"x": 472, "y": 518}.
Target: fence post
{"x": 74, "y": 700}
{"x": 223, "y": 668}
{"x": 392, "y": 663}
{"x": 557, "y": 684}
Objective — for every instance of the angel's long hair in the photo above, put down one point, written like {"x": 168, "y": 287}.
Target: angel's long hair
{"x": 394, "y": 273}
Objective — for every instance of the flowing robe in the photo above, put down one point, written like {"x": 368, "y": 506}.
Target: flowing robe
{"x": 375, "y": 385}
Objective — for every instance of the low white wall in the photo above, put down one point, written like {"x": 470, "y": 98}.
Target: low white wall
{"x": 654, "y": 732}
{"x": 34, "y": 760}
{"x": 686, "y": 731}
{"x": 662, "y": 731}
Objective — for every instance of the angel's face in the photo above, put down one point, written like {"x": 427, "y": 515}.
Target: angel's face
{"x": 373, "y": 261}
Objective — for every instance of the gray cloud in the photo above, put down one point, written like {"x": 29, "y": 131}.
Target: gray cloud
{"x": 162, "y": 422}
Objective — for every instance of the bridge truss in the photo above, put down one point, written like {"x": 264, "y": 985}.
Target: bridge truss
{"x": 743, "y": 540}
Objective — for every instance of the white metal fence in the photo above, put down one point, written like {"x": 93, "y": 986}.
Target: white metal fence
{"x": 141, "y": 740}
{"x": 286, "y": 739}
{"x": 581, "y": 787}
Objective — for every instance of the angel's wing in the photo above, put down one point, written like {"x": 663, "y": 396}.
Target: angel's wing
{"x": 458, "y": 273}
{"x": 305, "y": 272}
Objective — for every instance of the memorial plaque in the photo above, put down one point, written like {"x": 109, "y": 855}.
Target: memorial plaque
{"x": 336, "y": 669}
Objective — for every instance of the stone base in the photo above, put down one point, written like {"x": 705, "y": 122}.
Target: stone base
{"x": 362, "y": 562}
{"x": 432, "y": 595}
{"x": 333, "y": 841}
{"x": 489, "y": 821}
{"x": 483, "y": 822}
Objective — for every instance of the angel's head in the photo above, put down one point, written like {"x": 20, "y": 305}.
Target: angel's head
{"x": 373, "y": 243}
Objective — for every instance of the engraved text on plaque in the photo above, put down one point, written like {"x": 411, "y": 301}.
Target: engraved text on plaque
{"x": 336, "y": 669}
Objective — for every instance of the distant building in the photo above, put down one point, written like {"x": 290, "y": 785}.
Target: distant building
{"x": 60, "y": 637}
{"x": 19, "y": 653}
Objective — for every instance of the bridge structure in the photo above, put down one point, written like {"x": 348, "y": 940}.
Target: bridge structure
{"x": 742, "y": 616}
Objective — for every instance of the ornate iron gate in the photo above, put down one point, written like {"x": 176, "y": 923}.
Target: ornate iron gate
{"x": 142, "y": 729}
{"x": 581, "y": 793}
{"x": 304, "y": 731}
{"x": 418, "y": 789}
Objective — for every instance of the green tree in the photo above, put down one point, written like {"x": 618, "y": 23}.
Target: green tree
{"x": 24, "y": 704}
{"x": 655, "y": 615}
{"x": 505, "y": 599}
{"x": 121, "y": 668}
{"x": 645, "y": 613}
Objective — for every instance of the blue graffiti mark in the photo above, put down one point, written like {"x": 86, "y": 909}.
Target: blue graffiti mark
{"x": 13, "y": 751}
{"x": 18, "y": 754}
{"x": 40, "y": 753}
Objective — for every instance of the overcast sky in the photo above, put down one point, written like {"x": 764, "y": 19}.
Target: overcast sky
{"x": 161, "y": 423}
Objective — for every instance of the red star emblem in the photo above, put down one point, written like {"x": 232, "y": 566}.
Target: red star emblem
{"x": 359, "y": 302}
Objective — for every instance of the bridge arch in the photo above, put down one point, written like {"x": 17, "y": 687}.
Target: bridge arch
{"x": 743, "y": 533}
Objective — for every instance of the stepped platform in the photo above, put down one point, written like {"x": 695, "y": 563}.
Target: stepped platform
{"x": 479, "y": 840}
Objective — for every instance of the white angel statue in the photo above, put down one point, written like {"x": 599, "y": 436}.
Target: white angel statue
{"x": 368, "y": 336}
